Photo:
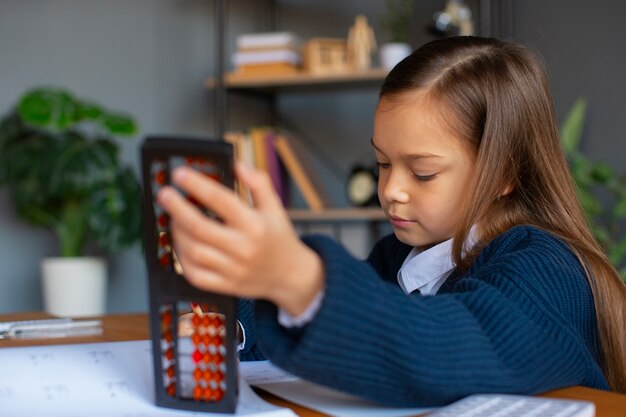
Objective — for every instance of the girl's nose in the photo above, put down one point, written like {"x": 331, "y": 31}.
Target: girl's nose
{"x": 394, "y": 189}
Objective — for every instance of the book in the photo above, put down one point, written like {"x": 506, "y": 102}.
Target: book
{"x": 298, "y": 173}
{"x": 237, "y": 140}
{"x": 275, "y": 169}
{"x": 266, "y": 40}
{"x": 272, "y": 56}
{"x": 257, "y": 137}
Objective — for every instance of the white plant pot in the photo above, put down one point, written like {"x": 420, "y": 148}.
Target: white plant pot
{"x": 392, "y": 53}
{"x": 74, "y": 287}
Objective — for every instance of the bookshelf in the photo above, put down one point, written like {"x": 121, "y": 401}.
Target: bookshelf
{"x": 269, "y": 87}
{"x": 337, "y": 214}
{"x": 369, "y": 78}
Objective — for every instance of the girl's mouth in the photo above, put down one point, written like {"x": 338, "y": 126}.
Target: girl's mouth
{"x": 400, "y": 222}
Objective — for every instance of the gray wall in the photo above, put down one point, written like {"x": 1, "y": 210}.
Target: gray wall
{"x": 150, "y": 58}
{"x": 583, "y": 45}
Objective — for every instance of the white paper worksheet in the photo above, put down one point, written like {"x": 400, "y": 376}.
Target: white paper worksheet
{"x": 98, "y": 380}
{"x": 265, "y": 375}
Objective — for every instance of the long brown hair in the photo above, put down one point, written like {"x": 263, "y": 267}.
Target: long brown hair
{"x": 499, "y": 96}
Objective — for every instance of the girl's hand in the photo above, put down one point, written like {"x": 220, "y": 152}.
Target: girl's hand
{"x": 253, "y": 253}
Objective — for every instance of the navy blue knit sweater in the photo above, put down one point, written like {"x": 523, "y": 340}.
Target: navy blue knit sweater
{"x": 520, "y": 320}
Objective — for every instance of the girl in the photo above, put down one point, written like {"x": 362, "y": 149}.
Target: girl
{"x": 491, "y": 282}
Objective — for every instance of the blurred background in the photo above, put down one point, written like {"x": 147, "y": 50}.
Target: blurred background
{"x": 151, "y": 58}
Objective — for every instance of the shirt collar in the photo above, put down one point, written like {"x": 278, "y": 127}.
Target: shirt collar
{"x": 427, "y": 270}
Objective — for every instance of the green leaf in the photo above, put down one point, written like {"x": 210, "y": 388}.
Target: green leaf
{"x": 81, "y": 164}
{"x": 602, "y": 173}
{"x": 115, "y": 211}
{"x": 48, "y": 108}
{"x": 617, "y": 252}
{"x": 89, "y": 111}
{"x": 602, "y": 235}
{"x": 27, "y": 169}
{"x": 590, "y": 203}
{"x": 572, "y": 127}
{"x": 620, "y": 208}
{"x": 119, "y": 124}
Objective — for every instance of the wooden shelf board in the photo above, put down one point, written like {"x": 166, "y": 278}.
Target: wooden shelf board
{"x": 235, "y": 81}
{"x": 337, "y": 214}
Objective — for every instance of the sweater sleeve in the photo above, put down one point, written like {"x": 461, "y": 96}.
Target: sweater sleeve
{"x": 372, "y": 340}
{"x": 245, "y": 315}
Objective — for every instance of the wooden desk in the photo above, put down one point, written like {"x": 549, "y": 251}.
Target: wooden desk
{"x": 135, "y": 327}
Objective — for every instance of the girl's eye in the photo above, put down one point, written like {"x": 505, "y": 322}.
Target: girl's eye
{"x": 425, "y": 178}
{"x": 383, "y": 165}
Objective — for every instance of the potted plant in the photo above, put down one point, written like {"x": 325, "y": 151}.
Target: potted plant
{"x": 396, "y": 22}
{"x": 593, "y": 179}
{"x": 59, "y": 160}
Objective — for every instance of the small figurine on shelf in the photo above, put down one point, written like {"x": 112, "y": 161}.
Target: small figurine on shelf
{"x": 325, "y": 56}
{"x": 361, "y": 44}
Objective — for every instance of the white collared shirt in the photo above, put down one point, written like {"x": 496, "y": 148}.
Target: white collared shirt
{"x": 426, "y": 270}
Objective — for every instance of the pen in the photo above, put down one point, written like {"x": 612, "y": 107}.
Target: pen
{"x": 55, "y": 329}
{"x": 6, "y": 325}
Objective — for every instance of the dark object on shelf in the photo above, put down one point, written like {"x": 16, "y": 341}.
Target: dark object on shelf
{"x": 454, "y": 19}
{"x": 193, "y": 332}
{"x": 362, "y": 186}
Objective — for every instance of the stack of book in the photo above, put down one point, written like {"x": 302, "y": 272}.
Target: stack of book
{"x": 270, "y": 53}
{"x": 283, "y": 159}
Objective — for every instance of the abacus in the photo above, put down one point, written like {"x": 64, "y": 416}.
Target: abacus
{"x": 193, "y": 332}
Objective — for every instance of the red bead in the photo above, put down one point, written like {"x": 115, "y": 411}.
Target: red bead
{"x": 197, "y": 374}
{"x": 165, "y": 260}
{"x": 207, "y": 375}
{"x": 197, "y": 393}
{"x": 166, "y": 318}
{"x": 169, "y": 354}
{"x": 209, "y": 394}
{"x": 167, "y": 336}
{"x": 160, "y": 178}
{"x": 217, "y": 359}
{"x": 171, "y": 371}
{"x": 163, "y": 220}
{"x": 164, "y": 239}
{"x": 197, "y": 356}
{"x": 216, "y": 395}
{"x": 171, "y": 389}
{"x": 196, "y": 339}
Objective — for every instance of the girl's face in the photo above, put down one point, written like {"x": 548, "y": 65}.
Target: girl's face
{"x": 425, "y": 169}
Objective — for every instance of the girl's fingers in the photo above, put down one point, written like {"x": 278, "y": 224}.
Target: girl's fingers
{"x": 210, "y": 281}
{"x": 186, "y": 218}
{"x": 195, "y": 254}
{"x": 211, "y": 194}
{"x": 260, "y": 185}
